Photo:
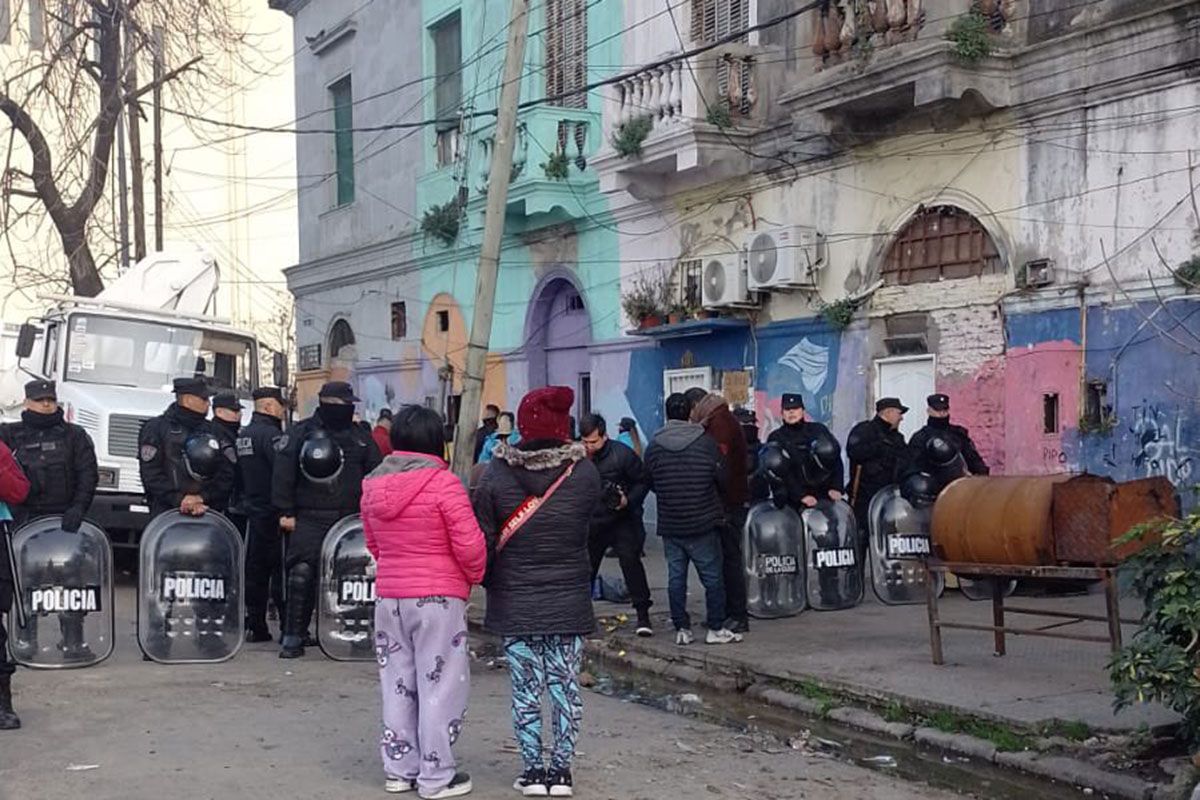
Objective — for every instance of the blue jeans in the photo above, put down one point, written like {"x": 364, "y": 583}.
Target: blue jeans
{"x": 705, "y": 552}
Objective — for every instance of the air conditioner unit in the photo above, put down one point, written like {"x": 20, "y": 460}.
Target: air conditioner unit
{"x": 784, "y": 258}
{"x": 724, "y": 282}
{"x": 1039, "y": 272}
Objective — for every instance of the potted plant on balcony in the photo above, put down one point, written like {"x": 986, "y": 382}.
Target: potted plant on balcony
{"x": 557, "y": 166}
{"x": 628, "y": 138}
{"x": 441, "y": 221}
{"x": 645, "y": 301}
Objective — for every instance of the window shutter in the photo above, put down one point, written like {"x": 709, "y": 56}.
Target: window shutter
{"x": 447, "y": 55}
{"x": 714, "y": 19}
{"x": 566, "y": 52}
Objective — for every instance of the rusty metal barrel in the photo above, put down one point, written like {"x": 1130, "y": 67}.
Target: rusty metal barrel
{"x": 1001, "y": 520}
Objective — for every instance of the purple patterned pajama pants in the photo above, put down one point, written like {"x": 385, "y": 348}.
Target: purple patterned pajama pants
{"x": 424, "y": 672}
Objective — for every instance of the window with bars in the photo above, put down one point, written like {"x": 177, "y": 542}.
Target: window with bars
{"x": 566, "y": 52}
{"x": 714, "y": 19}
{"x": 447, "y": 66}
{"x": 341, "y": 95}
{"x": 690, "y": 272}
{"x": 941, "y": 243}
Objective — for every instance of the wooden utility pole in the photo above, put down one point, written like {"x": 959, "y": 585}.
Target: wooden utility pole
{"x": 132, "y": 111}
{"x": 493, "y": 232}
{"x": 158, "y": 149}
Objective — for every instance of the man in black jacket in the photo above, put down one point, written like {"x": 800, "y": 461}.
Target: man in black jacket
{"x": 875, "y": 447}
{"x": 617, "y": 518}
{"x": 686, "y": 474}
{"x": 923, "y": 451}
{"x": 165, "y": 477}
{"x": 310, "y": 503}
{"x": 814, "y": 456}
{"x": 227, "y": 421}
{"x": 59, "y": 460}
{"x": 256, "y": 445}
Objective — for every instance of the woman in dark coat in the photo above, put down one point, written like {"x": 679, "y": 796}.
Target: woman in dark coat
{"x": 539, "y": 580}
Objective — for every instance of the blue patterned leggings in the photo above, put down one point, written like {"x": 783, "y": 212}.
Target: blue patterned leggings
{"x": 539, "y": 664}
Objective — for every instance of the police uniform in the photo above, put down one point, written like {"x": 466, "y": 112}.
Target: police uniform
{"x": 57, "y": 456}
{"x": 227, "y": 434}
{"x": 805, "y": 479}
{"x": 874, "y": 448}
{"x": 160, "y": 455}
{"x": 317, "y": 505}
{"x": 59, "y": 460}
{"x": 915, "y": 456}
{"x": 257, "y": 444}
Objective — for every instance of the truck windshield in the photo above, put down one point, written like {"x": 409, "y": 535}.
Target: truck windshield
{"x": 149, "y": 355}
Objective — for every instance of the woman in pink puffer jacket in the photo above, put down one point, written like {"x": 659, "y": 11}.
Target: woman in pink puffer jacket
{"x": 428, "y": 551}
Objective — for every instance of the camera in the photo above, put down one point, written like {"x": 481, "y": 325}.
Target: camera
{"x": 611, "y": 495}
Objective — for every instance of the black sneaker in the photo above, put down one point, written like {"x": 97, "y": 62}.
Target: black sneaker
{"x": 558, "y": 782}
{"x": 644, "y": 628}
{"x": 256, "y": 635}
{"x": 738, "y": 625}
{"x": 459, "y": 785}
{"x": 532, "y": 783}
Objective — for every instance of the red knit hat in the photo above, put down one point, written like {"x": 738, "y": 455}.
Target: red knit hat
{"x": 545, "y": 414}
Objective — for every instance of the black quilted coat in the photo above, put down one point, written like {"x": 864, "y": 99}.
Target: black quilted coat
{"x": 540, "y": 583}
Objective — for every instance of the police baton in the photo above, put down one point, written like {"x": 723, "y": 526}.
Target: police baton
{"x": 19, "y": 598}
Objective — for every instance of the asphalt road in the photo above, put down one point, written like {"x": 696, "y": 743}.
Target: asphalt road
{"x": 265, "y": 728}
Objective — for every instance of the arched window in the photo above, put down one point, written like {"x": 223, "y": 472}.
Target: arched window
{"x": 940, "y": 242}
{"x": 340, "y": 336}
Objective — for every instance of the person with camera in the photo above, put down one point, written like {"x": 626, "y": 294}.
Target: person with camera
{"x": 617, "y": 519}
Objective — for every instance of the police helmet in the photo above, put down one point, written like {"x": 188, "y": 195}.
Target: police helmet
{"x": 920, "y": 489}
{"x": 202, "y": 456}
{"x": 320, "y": 458}
{"x": 774, "y": 460}
{"x": 941, "y": 451}
{"x": 824, "y": 452}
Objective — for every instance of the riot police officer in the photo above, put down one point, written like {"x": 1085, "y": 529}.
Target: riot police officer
{"x": 173, "y": 478}
{"x": 227, "y": 422}
{"x": 941, "y": 449}
{"x": 814, "y": 457}
{"x": 318, "y": 478}
{"x": 59, "y": 459}
{"x": 257, "y": 444}
{"x": 875, "y": 447}
{"x": 14, "y": 488}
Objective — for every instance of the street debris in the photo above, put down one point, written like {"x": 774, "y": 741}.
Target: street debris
{"x": 82, "y": 767}
{"x": 880, "y": 761}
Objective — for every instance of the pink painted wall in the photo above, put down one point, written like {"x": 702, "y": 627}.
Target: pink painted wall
{"x": 1031, "y": 373}
{"x": 977, "y": 403}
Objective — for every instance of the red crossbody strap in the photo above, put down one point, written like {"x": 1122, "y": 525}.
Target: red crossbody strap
{"x": 527, "y": 509}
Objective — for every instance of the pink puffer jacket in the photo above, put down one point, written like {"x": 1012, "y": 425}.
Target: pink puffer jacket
{"x": 420, "y": 527}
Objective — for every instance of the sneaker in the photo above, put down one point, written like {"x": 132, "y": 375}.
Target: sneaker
{"x": 459, "y": 785}
{"x": 723, "y": 636}
{"x": 644, "y": 628}
{"x": 683, "y": 636}
{"x": 399, "y": 785}
{"x": 291, "y": 647}
{"x": 532, "y": 783}
{"x": 559, "y": 783}
{"x": 738, "y": 625}
{"x": 256, "y": 635}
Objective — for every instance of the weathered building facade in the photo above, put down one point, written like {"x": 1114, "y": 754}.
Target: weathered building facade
{"x": 990, "y": 198}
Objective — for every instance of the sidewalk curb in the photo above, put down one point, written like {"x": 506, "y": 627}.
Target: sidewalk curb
{"x": 698, "y": 668}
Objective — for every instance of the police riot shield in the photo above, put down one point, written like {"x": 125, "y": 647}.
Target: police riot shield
{"x": 900, "y": 543}
{"x": 67, "y": 585}
{"x": 831, "y": 543}
{"x": 346, "y": 609}
{"x": 191, "y": 608}
{"x": 773, "y": 541}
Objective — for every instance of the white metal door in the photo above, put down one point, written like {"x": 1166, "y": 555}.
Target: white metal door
{"x": 910, "y": 378}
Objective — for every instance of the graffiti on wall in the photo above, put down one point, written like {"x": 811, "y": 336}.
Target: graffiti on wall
{"x": 1159, "y": 444}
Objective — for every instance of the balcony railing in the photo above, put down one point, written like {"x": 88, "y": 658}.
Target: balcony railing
{"x": 545, "y": 135}
{"x": 706, "y": 87}
{"x": 843, "y": 30}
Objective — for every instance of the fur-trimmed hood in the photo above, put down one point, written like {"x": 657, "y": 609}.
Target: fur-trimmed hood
{"x": 539, "y": 460}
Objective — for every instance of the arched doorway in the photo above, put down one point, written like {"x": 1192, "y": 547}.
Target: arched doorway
{"x": 341, "y": 341}
{"x": 558, "y": 330}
